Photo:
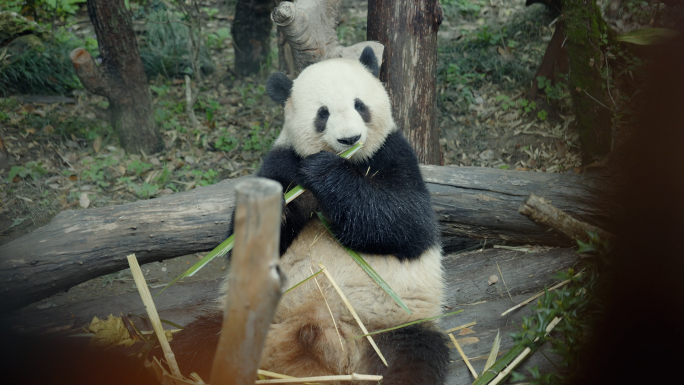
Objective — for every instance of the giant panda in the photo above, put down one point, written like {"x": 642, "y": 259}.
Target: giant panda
{"x": 377, "y": 204}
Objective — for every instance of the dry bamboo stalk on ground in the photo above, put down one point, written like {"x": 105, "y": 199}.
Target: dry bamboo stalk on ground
{"x": 255, "y": 282}
{"x": 152, "y": 313}
{"x": 347, "y": 377}
{"x": 353, "y": 312}
{"x": 460, "y": 327}
{"x": 465, "y": 358}
{"x": 544, "y": 213}
{"x": 525, "y": 302}
{"x": 502, "y": 375}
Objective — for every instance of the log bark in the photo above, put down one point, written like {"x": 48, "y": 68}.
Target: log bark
{"x": 470, "y": 202}
{"x": 256, "y": 273}
{"x": 584, "y": 27}
{"x": 251, "y": 31}
{"x": 309, "y": 27}
{"x": 121, "y": 76}
{"x": 466, "y": 276}
{"x": 408, "y": 30}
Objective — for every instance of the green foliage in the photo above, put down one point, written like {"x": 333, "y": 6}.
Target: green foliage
{"x": 225, "y": 142}
{"x": 260, "y": 139}
{"x": 139, "y": 167}
{"x": 464, "y": 7}
{"x": 553, "y": 92}
{"x": 215, "y": 39}
{"x": 43, "y": 68}
{"x": 205, "y": 178}
{"x": 96, "y": 170}
{"x": 32, "y": 169}
{"x": 542, "y": 115}
{"x": 164, "y": 50}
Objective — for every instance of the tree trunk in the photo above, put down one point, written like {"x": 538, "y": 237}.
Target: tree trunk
{"x": 309, "y": 28}
{"x": 121, "y": 76}
{"x": 408, "y": 29}
{"x": 251, "y": 32}
{"x": 555, "y": 61}
{"x": 82, "y": 244}
{"x": 584, "y": 27}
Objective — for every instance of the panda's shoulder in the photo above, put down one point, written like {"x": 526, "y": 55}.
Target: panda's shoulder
{"x": 395, "y": 152}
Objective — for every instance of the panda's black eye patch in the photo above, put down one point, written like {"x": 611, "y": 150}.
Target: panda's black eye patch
{"x": 321, "y": 119}
{"x": 363, "y": 110}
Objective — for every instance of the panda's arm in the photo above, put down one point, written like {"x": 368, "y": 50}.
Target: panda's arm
{"x": 380, "y": 207}
{"x": 281, "y": 165}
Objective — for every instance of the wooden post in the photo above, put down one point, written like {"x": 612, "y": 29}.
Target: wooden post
{"x": 255, "y": 282}
{"x": 408, "y": 30}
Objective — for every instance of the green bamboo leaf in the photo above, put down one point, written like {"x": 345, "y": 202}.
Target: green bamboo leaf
{"x": 219, "y": 251}
{"x": 495, "y": 352}
{"x": 405, "y": 325}
{"x": 648, "y": 36}
{"x": 227, "y": 245}
{"x": 306, "y": 279}
{"x": 367, "y": 268}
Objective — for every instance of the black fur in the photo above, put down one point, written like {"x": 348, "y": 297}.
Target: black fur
{"x": 279, "y": 87}
{"x": 281, "y": 165}
{"x": 380, "y": 206}
{"x": 195, "y": 345}
{"x": 321, "y": 119}
{"x": 415, "y": 355}
{"x": 363, "y": 110}
{"x": 369, "y": 60}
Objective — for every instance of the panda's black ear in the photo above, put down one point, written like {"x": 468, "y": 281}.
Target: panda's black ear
{"x": 369, "y": 60}
{"x": 279, "y": 87}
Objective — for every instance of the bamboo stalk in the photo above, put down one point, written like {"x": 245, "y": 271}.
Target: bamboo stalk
{"x": 465, "y": 358}
{"x": 152, "y": 313}
{"x": 504, "y": 373}
{"x": 460, "y": 327}
{"x": 353, "y": 312}
{"x": 329, "y": 310}
{"x": 347, "y": 377}
{"x": 525, "y": 302}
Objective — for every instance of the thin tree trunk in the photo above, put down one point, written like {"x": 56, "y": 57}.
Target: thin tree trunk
{"x": 584, "y": 27}
{"x": 408, "y": 29}
{"x": 251, "y": 32}
{"x": 121, "y": 76}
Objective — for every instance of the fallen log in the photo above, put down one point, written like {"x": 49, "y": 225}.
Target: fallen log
{"x": 467, "y": 288}
{"x": 79, "y": 245}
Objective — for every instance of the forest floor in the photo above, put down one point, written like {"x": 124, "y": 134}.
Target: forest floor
{"x": 63, "y": 157}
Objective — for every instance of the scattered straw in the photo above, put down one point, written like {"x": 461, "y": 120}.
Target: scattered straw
{"x": 329, "y": 310}
{"x": 353, "y": 312}
{"x": 504, "y": 282}
{"x": 525, "y": 302}
{"x": 152, "y": 313}
{"x": 495, "y": 351}
{"x": 460, "y": 327}
{"x": 465, "y": 358}
{"x": 348, "y": 377}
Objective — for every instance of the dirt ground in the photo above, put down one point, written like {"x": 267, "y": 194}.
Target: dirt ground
{"x": 63, "y": 157}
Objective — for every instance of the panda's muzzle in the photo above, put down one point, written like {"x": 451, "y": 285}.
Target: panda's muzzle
{"x": 350, "y": 140}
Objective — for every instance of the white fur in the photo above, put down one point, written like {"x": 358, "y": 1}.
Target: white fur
{"x": 335, "y": 83}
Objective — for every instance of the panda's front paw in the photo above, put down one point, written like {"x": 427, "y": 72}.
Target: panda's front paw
{"x": 315, "y": 169}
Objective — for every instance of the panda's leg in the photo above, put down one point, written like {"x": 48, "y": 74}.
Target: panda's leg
{"x": 416, "y": 355}
{"x": 195, "y": 345}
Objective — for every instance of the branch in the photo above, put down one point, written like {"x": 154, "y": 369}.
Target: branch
{"x": 88, "y": 72}
{"x": 542, "y": 212}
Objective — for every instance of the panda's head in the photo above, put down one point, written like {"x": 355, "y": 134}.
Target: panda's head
{"x": 333, "y": 105}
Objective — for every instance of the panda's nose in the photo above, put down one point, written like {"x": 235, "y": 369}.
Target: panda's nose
{"x": 350, "y": 140}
